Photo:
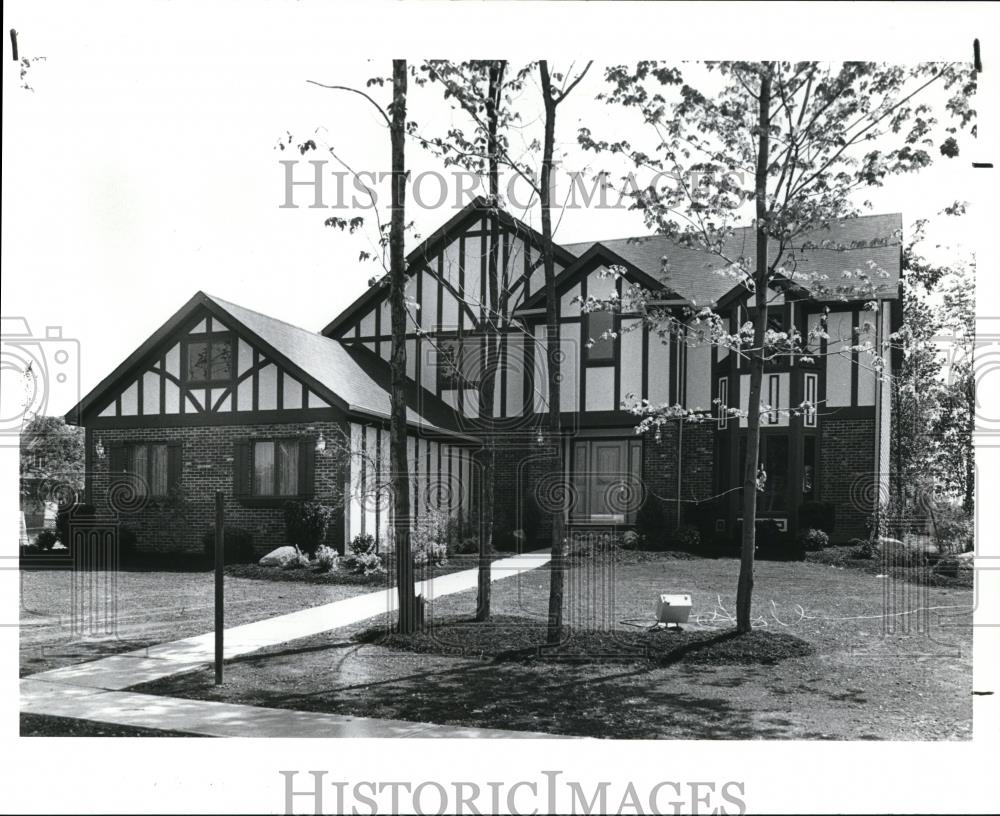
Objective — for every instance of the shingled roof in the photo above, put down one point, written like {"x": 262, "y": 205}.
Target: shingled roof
{"x": 696, "y": 274}
{"x": 356, "y": 381}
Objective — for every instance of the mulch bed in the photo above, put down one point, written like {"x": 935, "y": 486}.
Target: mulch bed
{"x": 314, "y": 575}
{"x": 41, "y": 725}
{"x": 511, "y": 638}
{"x": 842, "y": 556}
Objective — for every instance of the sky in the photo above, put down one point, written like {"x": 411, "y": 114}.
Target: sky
{"x": 143, "y": 167}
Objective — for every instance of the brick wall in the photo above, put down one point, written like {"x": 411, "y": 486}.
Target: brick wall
{"x": 660, "y": 466}
{"x": 207, "y": 466}
{"x": 847, "y": 464}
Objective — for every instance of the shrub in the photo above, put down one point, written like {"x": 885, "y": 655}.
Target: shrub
{"x": 46, "y": 539}
{"x": 651, "y": 523}
{"x": 300, "y": 561}
{"x": 306, "y": 524}
{"x": 775, "y": 544}
{"x": 686, "y": 538}
{"x": 363, "y": 544}
{"x": 69, "y": 513}
{"x": 631, "y": 540}
{"x": 817, "y": 516}
{"x": 127, "y": 541}
{"x": 532, "y": 522}
{"x": 954, "y": 530}
{"x": 428, "y": 542}
{"x": 326, "y": 558}
{"x": 466, "y": 546}
{"x": 864, "y": 548}
{"x": 238, "y": 545}
{"x": 813, "y": 540}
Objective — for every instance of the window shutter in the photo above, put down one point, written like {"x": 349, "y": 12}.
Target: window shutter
{"x": 241, "y": 467}
{"x": 174, "y": 466}
{"x": 307, "y": 465}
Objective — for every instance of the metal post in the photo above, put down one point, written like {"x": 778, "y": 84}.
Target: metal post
{"x": 220, "y": 548}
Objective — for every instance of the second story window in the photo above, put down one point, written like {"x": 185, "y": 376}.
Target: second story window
{"x": 602, "y": 349}
{"x": 209, "y": 360}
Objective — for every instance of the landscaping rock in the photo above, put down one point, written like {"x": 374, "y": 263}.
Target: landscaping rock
{"x": 281, "y": 557}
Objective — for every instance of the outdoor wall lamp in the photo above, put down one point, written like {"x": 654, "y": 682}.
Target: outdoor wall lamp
{"x": 320, "y": 443}
{"x": 540, "y": 439}
{"x": 99, "y": 450}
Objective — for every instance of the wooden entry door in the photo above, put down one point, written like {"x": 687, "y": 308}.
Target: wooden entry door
{"x": 605, "y": 475}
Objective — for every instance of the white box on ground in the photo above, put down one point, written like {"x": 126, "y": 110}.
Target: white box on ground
{"x": 673, "y": 608}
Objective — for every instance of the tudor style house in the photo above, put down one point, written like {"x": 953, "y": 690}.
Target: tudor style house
{"x": 224, "y": 398}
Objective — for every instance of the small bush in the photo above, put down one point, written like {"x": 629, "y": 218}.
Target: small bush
{"x": 817, "y": 516}
{"x": 813, "y": 540}
{"x": 46, "y": 540}
{"x": 363, "y": 563}
{"x": 363, "y": 544}
{"x": 127, "y": 541}
{"x": 467, "y": 546}
{"x": 69, "y": 513}
{"x": 650, "y": 523}
{"x": 326, "y": 558}
{"x": 864, "y": 548}
{"x": 238, "y": 545}
{"x": 631, "y": 540}
{"x": 686, "y": 538}
{"x": 301, "y": 561}
{"x": 954, "y": 530}
{"x": 306, "y": 524}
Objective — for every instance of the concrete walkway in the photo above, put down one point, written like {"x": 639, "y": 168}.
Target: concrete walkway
{"x": 93, "y": 690}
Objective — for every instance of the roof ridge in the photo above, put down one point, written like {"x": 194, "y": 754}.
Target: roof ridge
{"x": 223, "y": 301}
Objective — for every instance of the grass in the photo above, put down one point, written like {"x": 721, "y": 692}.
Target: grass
{"x": 144, "y": 607}
{"x": 42, "y": 725}
{"x": 822, "y": 663}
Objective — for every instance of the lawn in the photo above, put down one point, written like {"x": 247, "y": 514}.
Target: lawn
{"x": 866, "y": 676}
{"x": 151, "y": 606}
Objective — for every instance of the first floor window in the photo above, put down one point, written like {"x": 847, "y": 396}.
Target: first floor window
{"x": 275, "y": 467}
{"x": 152, "y": 467}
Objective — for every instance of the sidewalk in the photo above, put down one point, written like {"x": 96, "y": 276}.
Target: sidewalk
{"x": 92, "y": 691}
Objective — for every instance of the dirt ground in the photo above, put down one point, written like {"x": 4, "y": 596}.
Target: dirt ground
{"x": 905, "y": 675}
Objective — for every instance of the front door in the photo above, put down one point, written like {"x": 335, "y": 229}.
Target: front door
{"x": 605, "y": 480}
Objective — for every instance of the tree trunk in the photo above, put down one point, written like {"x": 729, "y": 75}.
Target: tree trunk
{"x": 744, "y": 590}
{"x": 397, "y": 424}
{"x": 493, "y": 318}
{"x": 552, "y": 348}
{"x": 969, "y": 500}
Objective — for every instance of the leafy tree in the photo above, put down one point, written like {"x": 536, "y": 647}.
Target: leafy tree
{"x": 813, "y": 135}
{"x": 51, "y": 450}
{"x": 395, "y": 118}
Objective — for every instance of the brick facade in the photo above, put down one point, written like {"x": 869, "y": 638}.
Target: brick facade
{"x": 207, "y": 466}
{"x": 847, "y": 473}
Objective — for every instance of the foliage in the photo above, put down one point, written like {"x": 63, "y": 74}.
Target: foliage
{"x": 686, "y": 538}
{"x": 238, "y": 545}
{"x": 51, "y": 450}
{"x": 363, "y": 544}
{"x": 306, "y": 524}
{"x": 818, "y": 515}
{"x": 813, "y": 540}
{"x": 631, "y": 540}
{"x": 127, "y": 544}
{"x": 326, "y": 558}
{"x": 650, "y": 522}
{"x": 69, "y": 514}
{"x": 866, "y": 548}
{"x": 954, "y": 530}
{"x": 46, "y": 540}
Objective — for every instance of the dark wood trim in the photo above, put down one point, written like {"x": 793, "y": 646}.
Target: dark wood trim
{"x": 221, "y": 418}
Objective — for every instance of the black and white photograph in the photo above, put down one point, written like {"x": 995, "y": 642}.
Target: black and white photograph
{"x": 601, "y": 391}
